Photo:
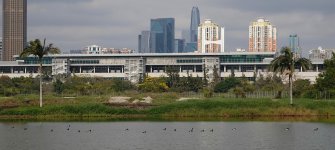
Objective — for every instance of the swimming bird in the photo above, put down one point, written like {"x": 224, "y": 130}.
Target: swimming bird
{"x": 144, "y": 132}
{"x": 25, "y": 129}
{"x": 316, "y": 129}
{"x": 78, "y": 130}
{"x": 233, "y": 129}
{"x": 203, "y": 130}
{"x": 90, "y": 130}
{"x": 68, "y": 129}
{"x": 212, "y": 130}
{"x": 286, "y": 129}
{"x": 175, "y": 130}
{"x": 126, "y": 129}
{"x": 13, "y": 127}
{"x": 164, "y": 129}
{"x": 51, "y": 130}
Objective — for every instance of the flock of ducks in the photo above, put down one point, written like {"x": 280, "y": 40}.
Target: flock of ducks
{"x": 164, "y": 129}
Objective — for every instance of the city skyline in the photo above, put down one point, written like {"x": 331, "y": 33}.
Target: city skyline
{"x": 117, "y": 23}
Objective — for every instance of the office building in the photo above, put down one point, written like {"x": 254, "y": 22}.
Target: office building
{"x": 144, "y": 42}
{"x": 162, "y": 35}
{"x": 179, "y": 45}
{"x": 195, "y": 22}
{"x": 210, "y": 37}
{"x": 294, "y": 43}
{"x": 14, "y": 28}
{"x": 262, "y": 36}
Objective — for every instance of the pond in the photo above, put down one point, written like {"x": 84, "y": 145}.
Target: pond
{"x": 132, "y": 135}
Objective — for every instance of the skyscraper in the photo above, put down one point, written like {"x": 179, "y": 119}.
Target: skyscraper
{"x": 162, "y": 35}
{"x": 14, "y": 28}
{"x": 144, "y": 42}
{"x": 294, "y": 43}
{"x": 262, "y": 36}
{"x": 210, "y": 37}
{"x": 195, "y": 21}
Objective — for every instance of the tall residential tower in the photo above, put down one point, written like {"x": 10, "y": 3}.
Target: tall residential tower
{"x": 14, "y": 28}
{"x": 262, "y": 36}
{"x": 210, "y": 37}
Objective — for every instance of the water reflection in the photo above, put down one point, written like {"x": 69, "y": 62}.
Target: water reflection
{"x": 167, "y": 135}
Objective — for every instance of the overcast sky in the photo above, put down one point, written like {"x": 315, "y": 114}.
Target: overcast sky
{"x": 74, "y": 24}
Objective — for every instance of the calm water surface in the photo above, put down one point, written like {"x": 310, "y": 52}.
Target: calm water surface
{"x": 177, "y": 136}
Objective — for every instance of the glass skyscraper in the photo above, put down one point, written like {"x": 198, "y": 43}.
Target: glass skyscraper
{"x": 195, "y": 21}
{"x": 162, "y": 35}
{"x": 14, "y": 28}
{"x": 294, "y": 43}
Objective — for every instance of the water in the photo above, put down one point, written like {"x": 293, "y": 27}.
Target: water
{"x": 177, "y": 136}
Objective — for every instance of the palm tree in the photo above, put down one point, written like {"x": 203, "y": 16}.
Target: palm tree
{"x": 38, "y": 50}
{"x": 285, "y": 64}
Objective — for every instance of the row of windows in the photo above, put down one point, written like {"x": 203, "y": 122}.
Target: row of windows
{"x": 189, "y": 61}
{"x": 84, "y": 61}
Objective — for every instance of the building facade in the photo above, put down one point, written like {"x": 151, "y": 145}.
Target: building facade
{"x": 294, "y": 43}
{"x": 179, "y": 45}
{"x": 210, "y": 37}
{"x": 144, "y": 42}
{"x": 1, "y": 49}
{"x": 133, "y": 66}
{"x": 195, "y": 22}
{"x": 162, "y": 35}
{"x": 14, "y": 28}
{"x": 93, "y": 49}
{"x": 262, "y": 36}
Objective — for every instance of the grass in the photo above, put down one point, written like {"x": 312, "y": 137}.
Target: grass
{"x": 166, "y": 107}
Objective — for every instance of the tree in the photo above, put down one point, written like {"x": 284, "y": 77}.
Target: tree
{"x": 326, "y": 80}
{"x": 216, "y": 76}
{"x": 58, "y": 86}
{"x": 286, "y": 63}
{"x": 172, "y": 73}
{"x": 38, "y": 50}
{"x": 225, "y": 85}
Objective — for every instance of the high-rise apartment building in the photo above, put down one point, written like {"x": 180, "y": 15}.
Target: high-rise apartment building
{"x": 210, "y": 37}
{"x": 14, "y": 28}
{"x": 262, "y": 36}
{"x": 162, "y": 35}
{"x": 195, "y": 21}
{"x": 294, "y": 43}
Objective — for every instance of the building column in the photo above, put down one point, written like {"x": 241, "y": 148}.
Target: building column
{"x": 108, "y": 69}
{"x": 150, "y": 69}
{"x": 317, "y": 68}
{"x": 255, "y": 68}
{"x": 239, "y": 68}
{"x": 80, "y": 69}
{"x": 224, "y": 68}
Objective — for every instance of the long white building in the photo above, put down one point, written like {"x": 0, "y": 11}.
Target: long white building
{"x": 210, "y": 37}
{"x": 133, "y": 66}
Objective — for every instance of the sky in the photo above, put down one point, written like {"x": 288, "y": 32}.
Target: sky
{"x": 74, "y": 24}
